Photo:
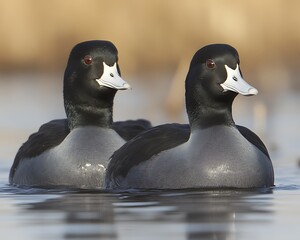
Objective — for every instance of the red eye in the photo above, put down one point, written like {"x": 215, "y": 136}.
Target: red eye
{"x": 88, "y": 59}
{"x": 210, "y": 64}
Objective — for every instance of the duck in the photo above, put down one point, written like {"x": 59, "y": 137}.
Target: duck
{"x": 74, "y": 152}
{"x": 211, "y": 152}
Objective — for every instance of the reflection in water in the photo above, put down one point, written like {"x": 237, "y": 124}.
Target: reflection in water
{"x": 85, "y": 215}
{"x": 208, "y": 214}
{"x": 157, "y": 214}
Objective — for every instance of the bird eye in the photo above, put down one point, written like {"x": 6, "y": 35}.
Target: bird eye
{"x": 210, "y": 64}
{"x": 88, "y": 59}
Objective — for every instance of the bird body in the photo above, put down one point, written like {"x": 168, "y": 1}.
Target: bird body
{"x": 80, "y": 160}
{"x": 198, "y": 163}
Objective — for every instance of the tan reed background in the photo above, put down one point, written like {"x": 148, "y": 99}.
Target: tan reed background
{"x": 150, "y": 35}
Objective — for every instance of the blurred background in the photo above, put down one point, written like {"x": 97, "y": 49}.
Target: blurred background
{"x": 156, "y": 40}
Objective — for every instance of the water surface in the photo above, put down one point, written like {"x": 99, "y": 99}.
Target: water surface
{"x": 190, "y": 214}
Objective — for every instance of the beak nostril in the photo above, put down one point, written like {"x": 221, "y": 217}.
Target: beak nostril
{"x": 235, "y": 82}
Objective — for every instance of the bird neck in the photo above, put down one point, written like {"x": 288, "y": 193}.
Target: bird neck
{"x": 86, "y": 108}
{"x": 85, "y": 115}
{"x": 204, "y": 112}
{"x": 207, "y": 117}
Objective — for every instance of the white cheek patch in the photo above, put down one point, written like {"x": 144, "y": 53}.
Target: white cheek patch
{"x": 235, "y": 82}
{"x": 111, "y": 78}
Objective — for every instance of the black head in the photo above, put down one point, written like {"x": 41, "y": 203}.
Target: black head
{"x": 92, "y": 78}
{"x": 213, "y": 81}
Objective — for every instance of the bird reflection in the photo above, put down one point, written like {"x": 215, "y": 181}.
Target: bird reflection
{"x": 86, "y": 215}
{"x": 189, "y": 214}
{"x": 215, "y": 214}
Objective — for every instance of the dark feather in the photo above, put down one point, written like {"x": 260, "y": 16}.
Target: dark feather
{"x": 144, "y": 146}
{"x": 253, "y": 138}
{"x": 130, "y": 128}
{"x": 48, "y": 136}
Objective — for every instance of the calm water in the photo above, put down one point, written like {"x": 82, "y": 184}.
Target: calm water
{"x": 51, "y": 214}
